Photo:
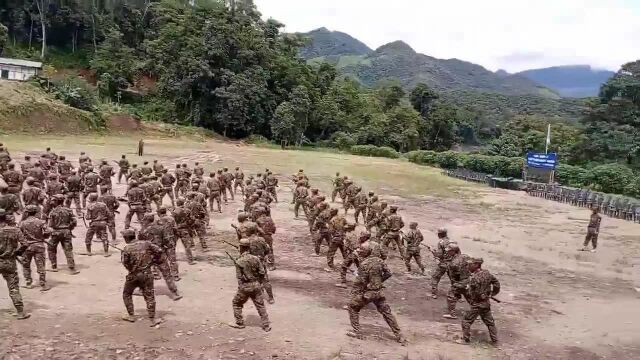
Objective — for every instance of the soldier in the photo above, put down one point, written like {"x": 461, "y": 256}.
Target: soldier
{"x": 413, "y": 238}
{"x": 351, "y": 245}
{"x": 74, "y": 188}
{"x": 135, "y": 174}
{"x": 350, "y": 193}
{"x": 153, "y": 232}
{"x": 138, "y": 257}
{"x": 183, "y": 220}
{"x": 272, "y": 184}
{"x": 249, "y": 189}
{"x": 167, "y": 180}
{"x": 198, "y": 171}
{"x": 238, "y": 181}
{"x": 123, "y": 166}
{"x": 338, "y": 228}
{"x": 321, "y": 226}
{"x": 146, "y": 169}
{"x": 459, "y": 276}
{"x": 265, "y": 222}
{"x": 199, "y": 218}
{"x": 140, "y": 147}
{"x": 33, "y": 195}
{"x": 62, "y": 222}
{"x": 442, "y": 261}
{"x": 360, "y": 202}
{"x": 14, "y": 181}
{"x": 170, "y": 227}
{"x": 4, "y": 159}
{"x": 10, "y": 203}
{"x": 26, "y": 166}
{"x": 64, "y": 168}
{"x": 38, "y": 175}
{"x": 395, "y": 225}
{"x": 54, "y": 187}
{"x": 106, "y": 172}
{"x": 99, "y": 216}
{"x": 214, "y": 191}
{"x": 337, "y": 187}
{"x": 592, "y": 231}
{"x": 157, "y": 168}
{"x": 84, "y": 159}
{"x": 258, "y": 247}
{"x": 300, "y": 196}
{"x": 112, "y": 204}
{"x": 250, "y": 273}
{"x": 481, "y": 287}
{"x": 180, "y": 183}
{"x": 35, "y": 232}
{"x": 136, "y": 199}
{"x": 368, "y": 287}
{"x": 157, "y": 189}
{"x": 222, "y": 181}
{"x": 313, "y": 204}
{"x": 12, "y": 245}
{"x": 372, "y": 209}
{"x": 91, "y": 181}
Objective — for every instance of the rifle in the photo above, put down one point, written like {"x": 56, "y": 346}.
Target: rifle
{"x": 115, "y": 247}
{"x": 84, "y": 221}
{"x": 244, "y": 277}
{"x": 496, "y": 300}
{"x": 228, "y": 243}
{"x": 430, "y": 250}
{"x": 237, "y": 231}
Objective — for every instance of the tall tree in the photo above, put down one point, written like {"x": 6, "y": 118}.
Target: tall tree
{"x": 4, "y": 37}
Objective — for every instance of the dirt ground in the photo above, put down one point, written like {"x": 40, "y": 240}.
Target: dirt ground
{"x": 558, "y": 303}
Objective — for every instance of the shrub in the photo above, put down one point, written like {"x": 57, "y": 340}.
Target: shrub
{"x": 448, "y": 159}
{"x": 611, "y": 178}
{"x": 570, "y": 175}
{"x": 257, "y": 139}
{"x": 342, "y": 140}
{"x": 376, "y": 151}
{"x": 422, "y": 157}
{"x": 76, "y": 92}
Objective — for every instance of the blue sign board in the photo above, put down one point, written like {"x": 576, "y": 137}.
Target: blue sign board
{"x": 542, "y": 161}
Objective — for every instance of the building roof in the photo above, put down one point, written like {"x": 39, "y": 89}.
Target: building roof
{"x": 18, "y": 62}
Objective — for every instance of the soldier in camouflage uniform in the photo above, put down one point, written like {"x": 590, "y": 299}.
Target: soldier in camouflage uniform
{"x": 38, "y": 175}
{"x": 113, "y": 205}
{"x": 459, "y": 276}
{"x": 35, "y": 232}
{"x": 10, "y": 203}
{"x": 227, "y": 180}
{"x": 157, "y": 168}
{"x": 167, "y": 180}
{"x": 265, "y": 222}
{"x": 91, "y": 182}
{"x": 258, "y": 247}
{"x": 33, "y": 195}
{"x": 368, "y": 288}
{"x": 413, "y": 238}
{"x": 12, "y": 245}
{"x": 250, "y": 273}
{"x": 238, "y": 181}
{"x": 592, "y": 231}
{"x": 350, "y": 193}
{"x": 146, "y": 169}
{"x": 98, "y": 216}
{"x": 62, "y": 222}
{"x": 272, "y": 184}
{"x": 482, "y": 285}
{"x": 360, "y": 202}
{"x": 214, "y": 187}
{"x": 26, "y": 166}
{"x": 138, "y": 257}
{"x": 338, "y": 183}
{"x": 312, "y": 205}
{"x": 123, "y": 168}
{"x": 198, "y": 171}
{"x": 184, "y": 224}
{"x": 157, "y": 190}
{"x": 136, "y": 200}
{"x": 14, "y": 182}
{"x": 53, "y": 188}
{"x": 372, "y": 212}
{"x": 135, "y": 174}
{"x": 394, "y": 224}
{"x": 199, "y": 218}
{"x": 321, "y": 226}
{"x": 106, "y": 172}
{"x": 170, "y": 229}
{"x": 64, "y": 168}
{"x": 351, "y": 248}
{"x": 74, "y": 188}
{"x": 300, "y": 196}
{"x": 442, "y": 261}
{"x": 338, "y": 228}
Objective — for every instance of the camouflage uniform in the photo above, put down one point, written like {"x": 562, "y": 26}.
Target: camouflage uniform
{"x": 34, "y": 196}
{"x": 106, "y": 172}
{"x": 91, "y": 182}
{"x": 9, "y": 202}
{"x": 238, "y": 181}
{"x": 74, "y": 187}
{"x": 11, "y": 244}
{"x": 258, "y": 247}
{"x": 351, "y": 244}
{"x": 228, "y": 184}
{"x": 350, "y": 194}
{"x": 167, "y": 180}
{"x": 183, "y": 220}
{"x": 198, "y": 171}
{"x": 592, "y": 231}
{"x": 368, "y": 288}
{"x": 146, "y": 170}
{"x": 98, "y": 216}
{"x": 157, "y": 168}
{"x": 158, "y": 190}
{"x": 442, "y": 260}
{"x": 413, "y": 238}
{"x": 35, "y": 232}
{"x": 136, "y": 200}
{"x": 481, "y": 287}
{"x": 360, "y": 202}
{"x": 214, "y": 192}
{"x": 338, "y": 229}
{"x": 338, "y": 184}
{"x": 138, "y": 258}
{"x": 198, "y": 217}
{"x": 153, "y": 232}
{"x": 64, "y": 169}
{"x": 300, "y": 197}
{"x": 14, "y": 182}
{"x": 62, "y": 222}
{"x": 113, "y": 205}
{"x": 170, "y": 227}
{"x": 250, "y": 273}
{"x": 38, "y": 175}
{"x": 54, "y": 187}
{"x": 135, "y": 174}
{"x": 321, "y": 225}
{"x": 459, "y": 275}
{"x": 123, "y": 169}
{"x": 272, "y": 184}
{"x": 394, "y": 224}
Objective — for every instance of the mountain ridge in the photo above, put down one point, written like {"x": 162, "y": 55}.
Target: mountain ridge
{"x": 570, "y": 80}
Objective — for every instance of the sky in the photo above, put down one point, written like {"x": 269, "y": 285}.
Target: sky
{"x": 514, "y": 35}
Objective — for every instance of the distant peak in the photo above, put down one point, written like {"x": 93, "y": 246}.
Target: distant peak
{"x": 321, "y": 29}
{"x": 396, "y": 46}
{"x": 502, "y": 72}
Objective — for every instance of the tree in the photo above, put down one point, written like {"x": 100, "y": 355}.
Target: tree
{"x": 283, "y": 124}
{"x": 4, "y": 37}
{"x": 390, "y": 93}
{"x": 439, "y": 129}
{"x": 43, "y": 8}
{"x": 422, "y": 99}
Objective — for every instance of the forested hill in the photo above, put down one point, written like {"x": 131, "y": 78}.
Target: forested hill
{"x": 570, "y": 81}
{"x": 398, "y": 60}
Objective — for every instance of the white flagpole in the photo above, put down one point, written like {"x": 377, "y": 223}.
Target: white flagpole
{"x": 546, "y": 148}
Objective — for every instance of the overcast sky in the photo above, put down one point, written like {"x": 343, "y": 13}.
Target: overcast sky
{"x": 498, "y": 34}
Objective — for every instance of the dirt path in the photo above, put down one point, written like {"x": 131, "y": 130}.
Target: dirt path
{"x": 558, "y": 303}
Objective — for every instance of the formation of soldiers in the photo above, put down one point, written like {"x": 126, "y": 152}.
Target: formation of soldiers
{"x": 44, "y": 191}
{"x": 369, "y": 252}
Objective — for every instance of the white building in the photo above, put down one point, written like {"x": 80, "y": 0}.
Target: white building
{"x": 16, "y": 69}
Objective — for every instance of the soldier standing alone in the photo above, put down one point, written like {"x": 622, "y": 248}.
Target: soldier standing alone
{"x": 592, "y": 231}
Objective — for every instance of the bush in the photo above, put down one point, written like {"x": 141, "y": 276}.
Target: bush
{"x": 508, "y": 166}
{"x": 375, "y": 151}
{"x": 76, "y": 92}
{"x": 570, "y": 175}
{"x": 258, "y": 139}
{"x": 342, "y": 140}
{"x": 422, "y": 157}
{"x": 611, "y": 178}
{"x": 480, "y": 163}
{"x": 448, "y": 159}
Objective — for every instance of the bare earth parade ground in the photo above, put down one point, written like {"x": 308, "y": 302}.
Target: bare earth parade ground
{"x": 557, "y": 303}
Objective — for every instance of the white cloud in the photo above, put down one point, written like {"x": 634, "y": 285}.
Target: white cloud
{"x": 509, "y": 34}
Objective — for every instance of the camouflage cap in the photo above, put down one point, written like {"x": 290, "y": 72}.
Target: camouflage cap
{"x": 128, "y": 233}
{"x": 393, "y": 207}
{"x": 244, "y": 243}
{"x": 3, "y": 213}
{"x": 148, "y": 217}
{"x": 31, "y": 209}
{"x": 162, "y": 210}
{"x": 242, "y": 216}
{"x": 365, "y": 235}
{"x": 413, "y": 224}
{"x": 442, "y": 230}
{"x": 472, "y": 260}
{"x": 52, "y": 176}
{"x": 453, "y": 246}
{"x": 93, "y": 196}
{"x": 58, "y": 197}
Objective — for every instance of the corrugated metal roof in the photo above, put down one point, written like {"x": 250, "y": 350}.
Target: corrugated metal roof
{"x": 18, "y": 62}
